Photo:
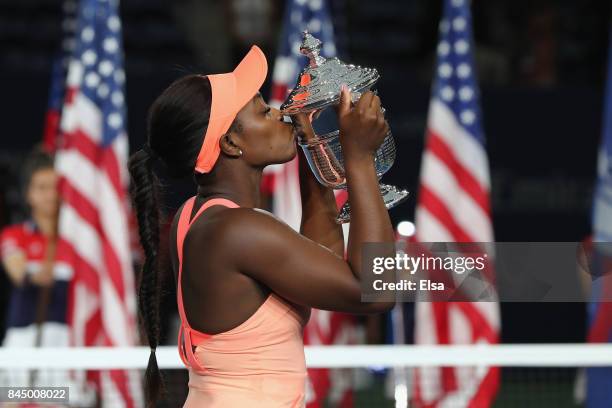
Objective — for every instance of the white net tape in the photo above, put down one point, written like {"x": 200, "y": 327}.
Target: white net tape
{"x": 516, "y": 355}
{"x": 532, "y": 375}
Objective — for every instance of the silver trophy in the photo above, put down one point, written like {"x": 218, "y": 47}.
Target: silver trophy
{"x": 318, "y": 90}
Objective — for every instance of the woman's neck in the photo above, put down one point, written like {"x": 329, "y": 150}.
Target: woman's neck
{"x": 240, "y": 184}
{"x": 45, "y": 223}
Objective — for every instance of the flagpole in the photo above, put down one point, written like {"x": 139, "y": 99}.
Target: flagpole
{"x": 401, "y": 376}
{"x": 44, "y": 297}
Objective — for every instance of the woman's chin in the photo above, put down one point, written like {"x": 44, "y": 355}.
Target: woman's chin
{"x": 290, "y": 154}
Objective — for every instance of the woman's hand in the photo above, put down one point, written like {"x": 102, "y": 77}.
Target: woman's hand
{"x": 302, "y": 122}
{"x": 44, "y": 277}
{"x": 362, "y": 127}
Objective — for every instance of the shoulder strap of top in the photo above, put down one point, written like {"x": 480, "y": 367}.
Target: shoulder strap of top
{"x": 185, "y": 350}
{"x": 184, "y": 223}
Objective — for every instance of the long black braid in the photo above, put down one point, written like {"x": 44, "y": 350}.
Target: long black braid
{"x": 177, "y": 123}
{"x": 145, "y": 198}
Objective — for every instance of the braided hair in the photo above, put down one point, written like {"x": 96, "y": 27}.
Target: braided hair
{"x": 176, "y": 126}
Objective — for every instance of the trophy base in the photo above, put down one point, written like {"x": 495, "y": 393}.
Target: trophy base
{"x": 391, "y": 195}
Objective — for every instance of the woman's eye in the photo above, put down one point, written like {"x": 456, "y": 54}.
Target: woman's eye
{"x": 268, "y": 109}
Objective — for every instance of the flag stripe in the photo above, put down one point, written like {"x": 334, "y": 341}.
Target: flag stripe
{"x": 441, "y": 181}
{"x": 430, "y": 228}
{"x": 104, "y": 160}
{"x": 88, "y": 213}
{"x": 81, "y": 113}
{"x": 439, "y": 210}
{"x": 467, "y": 150}
{"x": 88, "y": 276}
{"x": 460, "y": 174}
{"x": 104, "y": 210}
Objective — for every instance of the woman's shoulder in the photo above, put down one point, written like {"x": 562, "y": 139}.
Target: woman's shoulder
{"x": 20, "y": 238}
{"x": 236, "y": 222}
{"x": 20, "y": 228}
{"x": 16, "y": 233}
{"x": 267, "y": 213}
{"x": 253, "y": 228}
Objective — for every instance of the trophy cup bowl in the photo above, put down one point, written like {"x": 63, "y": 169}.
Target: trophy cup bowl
{"x": 317, "y": 90}
{"x": 324, "y": 156}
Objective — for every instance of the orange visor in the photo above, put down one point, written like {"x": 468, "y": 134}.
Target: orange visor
{"x": 230, "y": 93}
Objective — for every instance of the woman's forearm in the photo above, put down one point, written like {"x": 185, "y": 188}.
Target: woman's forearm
{"x": 15, "y": 266}
{"x": 369, "y": 217}
{"x": 319, "y": 210}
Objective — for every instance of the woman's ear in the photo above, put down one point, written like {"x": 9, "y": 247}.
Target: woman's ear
{"x": 228, "y": 145}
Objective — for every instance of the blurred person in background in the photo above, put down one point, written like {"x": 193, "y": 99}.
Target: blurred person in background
{"x": 33, "y": 259}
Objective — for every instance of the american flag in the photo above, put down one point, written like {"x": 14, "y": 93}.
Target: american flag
{"x": 324, "y": 327}
{"x": 602, "y": 209}
{"x": 94, "y": 215}
{"x": 300, "y": 15}
{"x": 599, "y": 393}
{"x": 453, "y": 206}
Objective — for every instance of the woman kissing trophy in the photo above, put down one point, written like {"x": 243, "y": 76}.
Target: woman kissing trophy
{"x": 316, "y": 91}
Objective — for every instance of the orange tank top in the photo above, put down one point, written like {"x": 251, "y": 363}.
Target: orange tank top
{"x": 258, "y": 363}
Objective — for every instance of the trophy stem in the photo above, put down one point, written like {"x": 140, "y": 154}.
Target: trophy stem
{"x": 391, "y": 195}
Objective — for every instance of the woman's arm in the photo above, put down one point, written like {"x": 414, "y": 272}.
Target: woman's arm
{"x": 370, "y": 220}
{"x": 302, "y": 270}
{"x": 319, "y": 209}
{"x": 14, "y": 258}
{"x": 15, "y": 265}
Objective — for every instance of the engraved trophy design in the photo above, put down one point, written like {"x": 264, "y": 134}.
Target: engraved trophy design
{"x": 317, "y": 90}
